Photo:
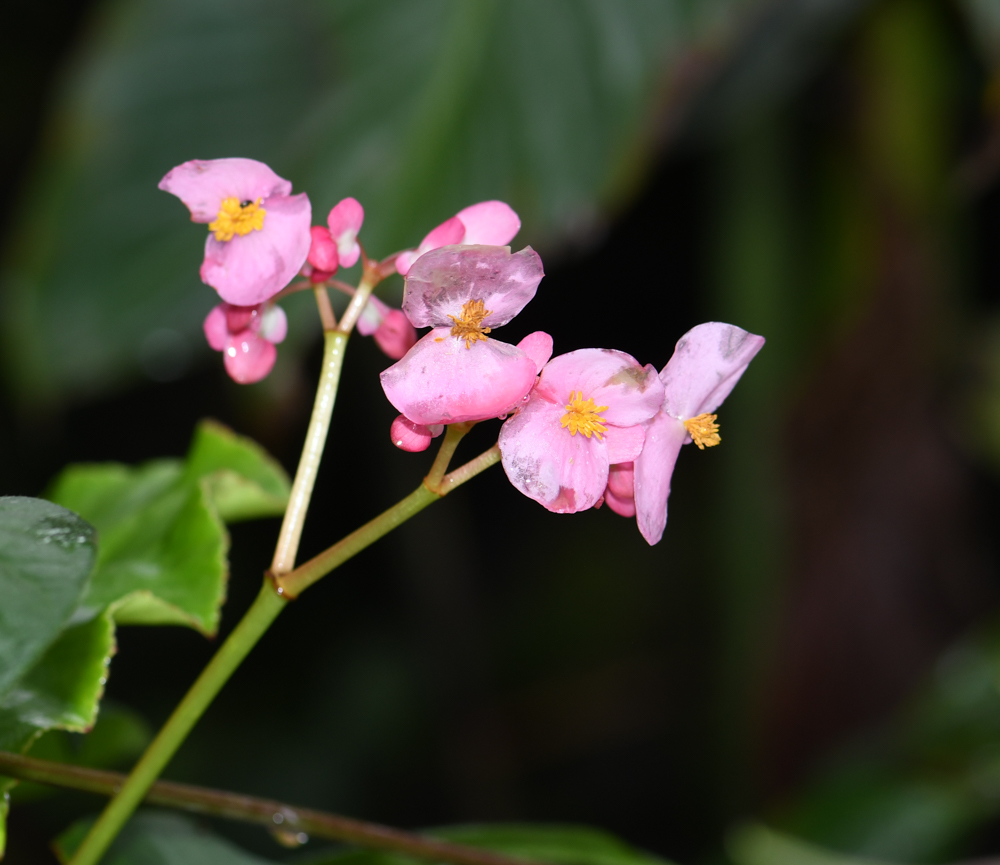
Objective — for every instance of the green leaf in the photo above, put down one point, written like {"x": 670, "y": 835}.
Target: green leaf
{"x": 757, "y": 845}
{"x": 547, "y": 105}
{"x": 163, "y": 549}
{"x": 158, "y": 838}
{"x": 243, "y": 481}
{"x": 46, "y": 555}
{"x": 564, "y": 845}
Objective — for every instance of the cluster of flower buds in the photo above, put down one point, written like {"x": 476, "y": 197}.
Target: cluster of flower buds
{"x": 582, "y": 429}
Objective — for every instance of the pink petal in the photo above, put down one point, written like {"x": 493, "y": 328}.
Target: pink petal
{"x": 443, "y": 280}
{"x": 322, "y": 250}
{"x": 632, "y": 392}
{"x": 372, "y": 316}
{"x": 248, "y": 357}
{"x": 396, "y": 336}
{"x": 449, "y": 232}
{"x": 707, "y": 363}
{"x": 345, "y": 221}
{"x": 564, "y": 473}
{"x": 624, "y": 442}
{"x": 274, "y": 324}
{"x": 653, "y": 469}
{"x": 538, "y": 346}
{"x": 621, "y": 480}
{"x": 202, "y": 184}
{"x": 410, "y": 436}
{"x": 215, "y": 328}
{"x": 240, "y": 317}
{"x": 439, "y": 380}
{"x": 624, "y": 506}
{"x": 491, "y": 223}
{"x": 253, "y": 267}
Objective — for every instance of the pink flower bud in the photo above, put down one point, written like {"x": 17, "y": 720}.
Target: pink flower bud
{"x": 248, "y": 357}
{"x": 413, "y": 437}
{"x": 396, "y": 336}
{"x": 323, "y": 250}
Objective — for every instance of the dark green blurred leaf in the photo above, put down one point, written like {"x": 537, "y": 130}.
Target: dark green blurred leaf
{"x": 154, "y": 838}
{"x": 416, "y": 107}
{"x": 564, "y": 845}
{"x": 757, "y": 845}
{"x": 46, "y": 555}
{"x": 163, "y": 549}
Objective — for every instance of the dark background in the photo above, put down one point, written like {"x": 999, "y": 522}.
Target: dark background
{"x": 774, "y": 656}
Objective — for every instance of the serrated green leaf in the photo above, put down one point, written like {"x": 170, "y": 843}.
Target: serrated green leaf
{"x": 243, "y": 481}
{"x": 158, "y": 838}
{"x": 46, "y": 555}
{"x": 546, "y": 105}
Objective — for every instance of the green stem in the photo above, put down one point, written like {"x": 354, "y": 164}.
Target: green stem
{"x": 293, "y": 584}
{"x": 251, "y": 628}
{"x": 453, "y": 435}
{"x": 335, "y": 342}
{"x": 235, "y": 806}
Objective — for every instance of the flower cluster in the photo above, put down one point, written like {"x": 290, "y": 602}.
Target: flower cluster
{"x": 586, "y": 428}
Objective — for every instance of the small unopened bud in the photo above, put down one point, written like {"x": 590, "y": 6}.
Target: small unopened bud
{"x": 323, "y": 250}
{"x": 412, "y": 437}
{"x": 396, "y": 336}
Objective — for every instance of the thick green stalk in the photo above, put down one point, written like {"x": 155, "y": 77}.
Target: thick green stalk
{"x": 251, "y": 628}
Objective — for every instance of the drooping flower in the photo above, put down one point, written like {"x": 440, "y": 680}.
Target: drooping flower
{"x": 489, "y": 223}
{"x": 337, "y": 244}
{"x": 391, "y": 328}
{"x": 586, "y": 412}
{"x": 246, "y": 336}
{"x": 258, "y": 231}
{"x": 457, "y": 372}
{"x": 707, "y": 363}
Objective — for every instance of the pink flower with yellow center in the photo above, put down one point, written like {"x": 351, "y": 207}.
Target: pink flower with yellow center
{"x": 707, "y": 363}
{"x": 586, "y": 412}
{"x": 459, "y": 372}
{"x": 489, "y": 223}
{"x": 258, "y": 231}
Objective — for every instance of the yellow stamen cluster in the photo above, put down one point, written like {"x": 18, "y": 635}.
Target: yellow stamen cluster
{"x": 237, "y": 217}
{"x": 469, "y": 326}
{"x": 583, "y": 416}
{"x": 704, "y": 430}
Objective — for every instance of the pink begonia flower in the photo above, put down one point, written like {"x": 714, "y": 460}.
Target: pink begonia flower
{"x": 259, "y": 232}
{"x": 456, "y": 372}
{"x": 337, "y": 245}
{"x": 489, "y": 223}
{"x": 246, "y": 336}
{"x": 413, "y": 437}
{"x": 391, "y": 328}
{"x": 707, "y": 363}
{"x": 586, "y": 412}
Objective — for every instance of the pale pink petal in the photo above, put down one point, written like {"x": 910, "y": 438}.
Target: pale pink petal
{"x": 621, "y": 480}
{"x": 443, "y": 280}
{"x": 202, "y": 184}
{"x": 632, "y": 393}
{"x": 491, "y": 223}
{"x": 538, "y": 346}
{"x": 624, "y": 442}
{"x": 707, "y": 363}
{"x": 248, "y": 357}
{"x": 449, "y": 232}
{"x": 372, "y": 316}
{"x": 322, "y": 250}
{"x": 215, "y": 328}
{"x": 624, "y": 506}
{"x": 653, "y": 468}
{"x": 274, "y": 324}
{"x": 564, "y": 473}
{"x": 439, "y": 380}
{"x": 345, "y": 221}
{"x": 409, "y": 436}
{"x": 396, "y": 336}
{"x": 253, "y": 267}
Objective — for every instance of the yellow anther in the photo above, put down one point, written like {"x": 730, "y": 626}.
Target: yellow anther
{"x": 469, "y": 326}
{"x": 704, "y": 430}
{"x": 237, "y": 217}
{"x": 583, "y": 416}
